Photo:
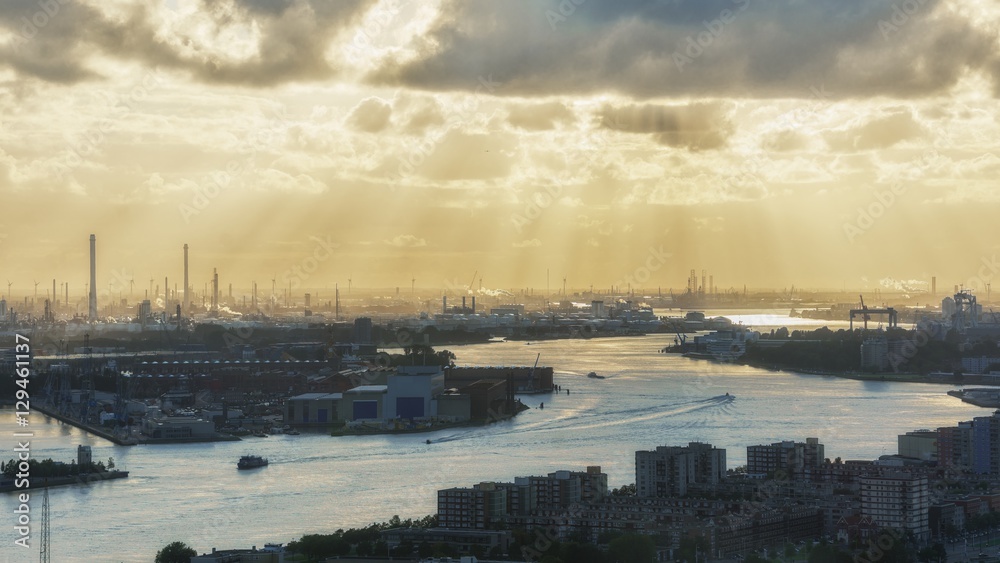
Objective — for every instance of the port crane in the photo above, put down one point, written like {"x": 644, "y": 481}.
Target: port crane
{"x": 865, "y": 313}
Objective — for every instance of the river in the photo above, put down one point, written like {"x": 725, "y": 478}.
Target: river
{"x": 316, "y": 483}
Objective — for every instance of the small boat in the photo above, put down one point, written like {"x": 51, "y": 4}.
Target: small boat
{"x": 593, "y": 375}
{"x": 260, "y": 435}
{"x": 292, "y": 432}
{"x": 428, "y": 441}
{"x": 251, "y": 462}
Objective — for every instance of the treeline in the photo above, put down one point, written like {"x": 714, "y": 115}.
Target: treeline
{"x": 356, "y": 541}
{"x": 840, "y": 351}
{"x": 50, "y": 468}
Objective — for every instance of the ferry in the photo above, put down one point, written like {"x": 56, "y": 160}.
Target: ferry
{"x": 251, "y": 462}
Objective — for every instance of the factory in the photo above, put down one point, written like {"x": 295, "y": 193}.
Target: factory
{"x": 405, "y": 398}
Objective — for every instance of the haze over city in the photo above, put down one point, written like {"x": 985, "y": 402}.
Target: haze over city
{"x": 828, "y": 144}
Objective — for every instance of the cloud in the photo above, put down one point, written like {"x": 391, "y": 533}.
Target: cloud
{"x": 424, "y": 114}
{"x": 635, "y": 47}
{"x": 248, "y": 42}
{"x": 465, "y": 156}
{"x": 371, "y": 115}
{"x": 694, "y": 126}
{"x": 879, "y": 132}
{"x": 784, "y": 141}
{"x": 406, "y": 241}
{"x": 539, "y": 117}
{"x": 533, "y": 243}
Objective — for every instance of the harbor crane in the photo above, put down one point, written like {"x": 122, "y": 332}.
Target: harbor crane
{"x": 865, "y": 313}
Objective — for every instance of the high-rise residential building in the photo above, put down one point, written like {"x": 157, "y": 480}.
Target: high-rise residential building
{"x": 668, "y": 470}
{"x": 955, "y": 446}
{"x": 480, "y": 507}
{"x": 986, "y": 444}
{"x": 898, "y": 501}
{"x": 787, "y": 456}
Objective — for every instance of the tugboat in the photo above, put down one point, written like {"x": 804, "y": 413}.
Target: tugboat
{"x": 593, "y": 375}
{"x": 251, "y": 462}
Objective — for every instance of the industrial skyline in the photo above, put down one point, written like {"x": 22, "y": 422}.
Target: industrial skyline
{"x": 413, "y": 140}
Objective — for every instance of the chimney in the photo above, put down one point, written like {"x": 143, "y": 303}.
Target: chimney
{"x": 473, "y": 304}
{"x": 92, "y": 308}
{"x": 187, "y": 301}
{"x": 444, "y": 305}
{"x": 215, "y": 289}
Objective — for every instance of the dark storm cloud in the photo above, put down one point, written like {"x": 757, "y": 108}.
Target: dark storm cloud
{"x": 56, "y": 44}
{"x": 695, "y": 127}
{"x": 779, "y": 48}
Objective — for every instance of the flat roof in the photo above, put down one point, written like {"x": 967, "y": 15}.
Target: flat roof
{"x": 369, "y": 389}
{"x": 315, "y": 396}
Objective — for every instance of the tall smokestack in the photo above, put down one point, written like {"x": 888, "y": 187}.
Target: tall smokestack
{"x": 215, "y": 289}
{"x": 187, "y": 297}
{"x": 166, "y": 295}
{"x": 444, "y": 304}
{"x": 55, "y": 298}
{"x": 92, "y": 312}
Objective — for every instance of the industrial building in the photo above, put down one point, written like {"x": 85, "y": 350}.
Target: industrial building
{"x": 919, "y": 444}
{"x": 178, "y": 428}
{"x": 401, "y": 397}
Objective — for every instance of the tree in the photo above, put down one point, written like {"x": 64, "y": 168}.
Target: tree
{"x": 111, "y": 463}
{"x": 176, "y": 552}
{"x": 624, "y": 491}
{"x": 631, "y": 548}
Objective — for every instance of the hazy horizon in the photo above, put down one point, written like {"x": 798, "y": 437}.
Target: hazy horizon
{"x": 820, "y": 145}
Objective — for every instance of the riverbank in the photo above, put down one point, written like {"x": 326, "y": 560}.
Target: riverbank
{"x": 986, "y": 398}
{"x": 83, "y": 426}
{"x": 8, "y": 485}
{"x": 130, "y": 440}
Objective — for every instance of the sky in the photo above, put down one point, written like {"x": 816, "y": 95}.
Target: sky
{"x": 815, "y": 144}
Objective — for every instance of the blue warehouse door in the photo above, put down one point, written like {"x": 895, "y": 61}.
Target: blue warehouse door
{"x": 321, "y": 415}
{"x": 365, "y": 409}
{"x": 410, "y": 407}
